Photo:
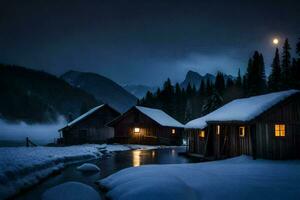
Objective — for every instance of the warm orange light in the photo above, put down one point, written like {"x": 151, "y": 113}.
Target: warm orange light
{"x": 173, "y": 131}
{"x": 136, "y": 158}
{"x": 242, "y": 131}
{"x": 202, "y": 134}
{"x": 218, "y": 129}
{"x": 279, "y": 130}
{"x": 136, "y": 130}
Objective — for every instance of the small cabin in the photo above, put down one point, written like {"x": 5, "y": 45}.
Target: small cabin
{"x": 142, "y": 125}
{"x": 265, "y": 126}
{"x": 90, "y": 127}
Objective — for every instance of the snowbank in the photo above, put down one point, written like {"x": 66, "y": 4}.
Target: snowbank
{"x": 88, "y": 167}
{"x": 71, "y": 191}
{"x": 21, "y": 167}
{"x": 237, "y": 178}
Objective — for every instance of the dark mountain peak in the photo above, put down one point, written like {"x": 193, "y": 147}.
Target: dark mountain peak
{"x": 208, "y": 75}
{"x": 104, "y": 89}
{"x": 192, "y": 75}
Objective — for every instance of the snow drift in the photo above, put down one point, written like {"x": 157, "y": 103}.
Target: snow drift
{"x": 236, "y": 178}
{"x": 71, "y": 191}
{"x": 88, "y": 167}
{"x": 22, "y": 167}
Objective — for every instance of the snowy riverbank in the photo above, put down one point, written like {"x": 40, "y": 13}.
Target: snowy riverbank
{"x": 22, "y": 167}
{"x": 236, "y": 178}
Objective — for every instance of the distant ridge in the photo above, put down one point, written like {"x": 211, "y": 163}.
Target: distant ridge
{"x": 35, "y": 96}
{"x": 102, "y": 88}
{"x": 194, "y": 78}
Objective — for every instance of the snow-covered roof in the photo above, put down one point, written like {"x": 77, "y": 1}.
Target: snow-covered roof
{"x": 159, "y": 116}
{"x": 244, "y": 109}
{"x": 81, "y": 117}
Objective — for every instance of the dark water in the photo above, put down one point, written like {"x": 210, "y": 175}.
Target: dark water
{"x": 109, "y": 164}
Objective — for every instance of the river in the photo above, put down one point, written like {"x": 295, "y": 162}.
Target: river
{"x": 108, "y": 164}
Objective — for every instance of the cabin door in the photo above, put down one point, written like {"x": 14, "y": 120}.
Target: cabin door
{"x": 192, "y": 142}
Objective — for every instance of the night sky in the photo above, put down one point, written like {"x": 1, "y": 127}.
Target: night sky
{"x": 143, "y": 42}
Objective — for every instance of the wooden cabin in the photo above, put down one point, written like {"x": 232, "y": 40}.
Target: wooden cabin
{"x": 141, "y": 125}
{"x": 90, "y": 127}
{"x": 265, "y": 126}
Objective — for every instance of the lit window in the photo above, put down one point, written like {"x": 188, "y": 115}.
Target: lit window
{"x": 202, "y": 134}
{"x": 218, "y": 129}
{"x": 136, "y": 130}
{"x": 279, "y": 130}
{"x": 242, "y": 131}
{"x": 173, "y": 131}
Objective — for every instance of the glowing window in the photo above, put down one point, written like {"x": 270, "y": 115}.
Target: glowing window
{"x": 242, "y": 131}
{"x": 202, "y": 134}
{"x": 173, "y": 131}
{"x": 218, "y": 129}
{"x": 279, "y": 130}
{"x": 136, "y": 130}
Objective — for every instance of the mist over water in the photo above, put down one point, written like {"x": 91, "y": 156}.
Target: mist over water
{"x": 16, "y": 133}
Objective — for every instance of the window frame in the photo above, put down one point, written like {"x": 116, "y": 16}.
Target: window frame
{"x": 201, "y": 134}
{"x": 279, "y": 130}
{"x": 136, "y": 130}
{"x": 243, "y": 132}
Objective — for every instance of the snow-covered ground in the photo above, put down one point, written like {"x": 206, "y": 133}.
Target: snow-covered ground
{"x": 21, "y": 167}
{"x": 236, "y": 178}
{"x": 71, "y": 191}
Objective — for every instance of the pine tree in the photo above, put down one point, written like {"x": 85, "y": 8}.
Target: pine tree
{"x": 229, "y": 83}
{"x": 286, "y": 64}
{"x": 262, "y": 74}
{"x": 202, "y": 88}
{"x": 239, "y": 79}
{"x": 220, "y": 83}
{"x": 209, "y": 87}
{"x": 256, "y": 79}
{"x": 274, "y": 82}
{"x": 189, "y": 90}
{"x": 167, "y": 97}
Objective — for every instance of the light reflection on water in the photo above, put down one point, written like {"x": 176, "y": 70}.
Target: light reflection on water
{"x": 174, "y": 153}
{"x": 136, "y": 161}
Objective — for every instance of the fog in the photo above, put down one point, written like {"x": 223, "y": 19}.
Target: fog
{"x": 16, "y": 133}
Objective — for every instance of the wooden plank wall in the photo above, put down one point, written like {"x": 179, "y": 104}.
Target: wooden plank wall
{"x": 94, "y": 126}
{"x": 150, "y": 131}
{"x": 271, "y": 147}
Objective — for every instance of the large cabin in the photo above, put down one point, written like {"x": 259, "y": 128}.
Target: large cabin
{"x": 90, "y": 127}
{"x": 142, "y": 125}
{"x": 265, "y": 126}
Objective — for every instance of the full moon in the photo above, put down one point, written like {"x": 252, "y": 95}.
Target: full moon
{"x": 275, "y": 41}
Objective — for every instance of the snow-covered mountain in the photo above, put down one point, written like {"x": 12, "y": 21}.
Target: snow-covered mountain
{"x": 102, "y": 88}
{"x": 194, "y": 78}
{"x": 139, "y": 90}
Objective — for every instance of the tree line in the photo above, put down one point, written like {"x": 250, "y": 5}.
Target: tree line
{"x": 188, "y": 103}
